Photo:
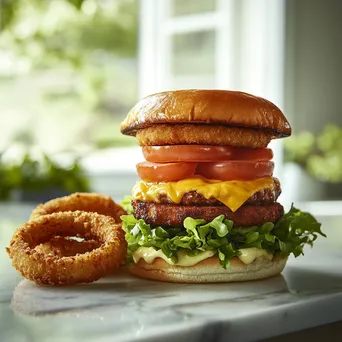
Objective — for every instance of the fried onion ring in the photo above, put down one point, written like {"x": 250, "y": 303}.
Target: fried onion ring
{"x": 61, "y": 246}
{"x": 88, "y": 202}
{"x": 67, "y": 270}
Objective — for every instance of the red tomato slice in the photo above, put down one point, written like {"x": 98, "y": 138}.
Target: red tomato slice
{"x": 236, "y": 170}
{"x": 187, "y": 153}
{"x": 203, "y": 153}
{"x": 252, "y": 154}
{"x": 165, "y": 172}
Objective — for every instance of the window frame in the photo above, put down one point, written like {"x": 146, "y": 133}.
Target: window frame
{"x": 235, "y": 23}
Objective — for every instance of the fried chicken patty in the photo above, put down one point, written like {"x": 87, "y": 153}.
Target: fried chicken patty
{"x": 190, "y": 134}
{"x": 174, "y": 215}
{"x": 265, "y": 196}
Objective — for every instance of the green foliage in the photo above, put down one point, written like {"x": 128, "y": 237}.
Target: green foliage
{"x": 81, "y": 35}
{"x": 298, "y": 147}
{"x": 126, "y": 203}
{"x": 77, "y": 3}
{"x": 320, "y": 156}
{"x": 8, "y": 10}
{"x": 70, "y": 35}
{"x": 34, "y": 177}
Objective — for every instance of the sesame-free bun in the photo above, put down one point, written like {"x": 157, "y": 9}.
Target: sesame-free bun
{"x": 208, "y": 270}
{"x": 214, "y": 107}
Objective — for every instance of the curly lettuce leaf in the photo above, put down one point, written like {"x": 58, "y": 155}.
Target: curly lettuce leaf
{"x": 295, "y": 230}
{"x": 287, "y": 236}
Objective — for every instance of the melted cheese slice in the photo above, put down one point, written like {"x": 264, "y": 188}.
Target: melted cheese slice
{"x": 232, "y": 194}
{"x": 149, "y": 254}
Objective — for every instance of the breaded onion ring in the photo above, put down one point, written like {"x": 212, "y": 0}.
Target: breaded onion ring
{"x": 160, "y": 135}
{"x": 81, "y": 268}
{"x": 88, "y": 202}
{"x": 61, "y": 246}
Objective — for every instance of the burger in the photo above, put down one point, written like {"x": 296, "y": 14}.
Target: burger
{"x": 206, "y": 207}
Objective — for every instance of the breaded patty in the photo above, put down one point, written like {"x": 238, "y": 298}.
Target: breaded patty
{"x": 178, "y": 134}
{"x": 174, "y": 215}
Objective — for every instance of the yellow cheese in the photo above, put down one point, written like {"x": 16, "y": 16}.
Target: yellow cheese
{"x": 232, "y": 194}
{"x": 248, "y": 255}
{"x": 149, "y": 254}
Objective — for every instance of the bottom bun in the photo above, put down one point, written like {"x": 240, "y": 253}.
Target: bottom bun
{"x": 208, "y": 270}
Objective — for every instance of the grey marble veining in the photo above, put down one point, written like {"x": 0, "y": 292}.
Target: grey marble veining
{"x": 142, "y": 308}
{"x": 125, "y": 308}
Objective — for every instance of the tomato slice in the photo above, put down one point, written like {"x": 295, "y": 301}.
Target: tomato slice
{"x": 165, "y": 172}
{"x": 203, "y": 153}
{"x": 252, "y": 154}
{"x": 187, "y": 153}
{"x": 236, "y": 170}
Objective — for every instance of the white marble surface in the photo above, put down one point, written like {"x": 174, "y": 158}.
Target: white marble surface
{"x": 124, "y": 308}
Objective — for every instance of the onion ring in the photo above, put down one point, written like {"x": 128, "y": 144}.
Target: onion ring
{"x": 61, "y": 246}
{"x": 88, "y": 202}
{"x": 81, "y": 268}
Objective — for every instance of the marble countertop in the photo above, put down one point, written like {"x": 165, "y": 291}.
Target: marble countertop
{"x": 125, "y": 308}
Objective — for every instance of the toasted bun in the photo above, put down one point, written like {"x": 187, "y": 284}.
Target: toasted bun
{"x": 208, "y": 270}
{"x": 231, "y": 108}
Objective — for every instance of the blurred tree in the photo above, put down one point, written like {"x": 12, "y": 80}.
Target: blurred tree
{"x": 32, "y": 179}
{"x": 69, "y": 56}
{"x": 320, "y": 156}
{"x": 79, "y": 34}
{"x": 67, "y": 27}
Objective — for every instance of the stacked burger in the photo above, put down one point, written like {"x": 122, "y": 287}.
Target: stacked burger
{"x": 206, "y": 208}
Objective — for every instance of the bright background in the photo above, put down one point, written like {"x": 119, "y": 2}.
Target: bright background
{"x": 71, "y": 69}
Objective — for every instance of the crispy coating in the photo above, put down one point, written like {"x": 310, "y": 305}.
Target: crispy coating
{"x": 161, "y": 135}
{"x": 265, "y": 196}
{"x": 88, "y": 202}
{"x": 67, "y": 270}
{"x": 174, "y": 215}
{"x": 61, "y": 246}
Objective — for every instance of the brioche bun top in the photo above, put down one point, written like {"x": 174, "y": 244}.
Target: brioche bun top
{"x": 222, "y": 107}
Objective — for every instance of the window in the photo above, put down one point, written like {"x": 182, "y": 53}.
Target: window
{"x": 189, "y": 7}
{"x": 223, "y": 44}
{"x": 227, "y": 44}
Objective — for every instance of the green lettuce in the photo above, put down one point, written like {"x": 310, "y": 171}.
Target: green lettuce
{"x": 126, "y": 203}
{"x": 287, "y": 236}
